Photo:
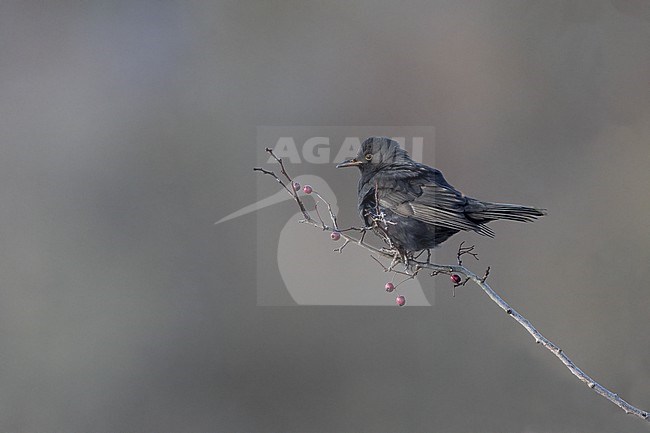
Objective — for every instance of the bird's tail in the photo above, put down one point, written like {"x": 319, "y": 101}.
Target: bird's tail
{"x": 501, "y": 211}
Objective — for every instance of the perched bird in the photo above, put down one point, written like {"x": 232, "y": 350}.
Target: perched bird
{"x": 413, "y": 207}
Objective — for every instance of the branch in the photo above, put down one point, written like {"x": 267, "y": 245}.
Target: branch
{"x": 540, "y": 339}
{"x": 412, "y": 267}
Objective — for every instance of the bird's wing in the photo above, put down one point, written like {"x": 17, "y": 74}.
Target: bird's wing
{"x": 433, "y": 201}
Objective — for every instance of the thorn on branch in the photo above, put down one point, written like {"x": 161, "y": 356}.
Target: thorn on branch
{"x": 485, "y": 275}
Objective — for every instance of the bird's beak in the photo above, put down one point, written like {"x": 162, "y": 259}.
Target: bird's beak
{"x": 349, "y": 163}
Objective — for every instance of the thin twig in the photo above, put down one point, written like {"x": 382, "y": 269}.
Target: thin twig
{"x": 465, "y": 250}
{"x": 340, "y": 249}
{"x": 329, "y": 209}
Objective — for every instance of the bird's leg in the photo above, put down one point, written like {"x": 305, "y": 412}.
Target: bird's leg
{"x": 406, "y": 259}
{"x": 396, "y": 259}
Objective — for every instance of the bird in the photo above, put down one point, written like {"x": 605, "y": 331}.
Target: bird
{"x": 413, "y": 207}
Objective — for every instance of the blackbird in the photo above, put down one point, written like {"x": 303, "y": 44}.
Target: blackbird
{"x": 413, "y": 207}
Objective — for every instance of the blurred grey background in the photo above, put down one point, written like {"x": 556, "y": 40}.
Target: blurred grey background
{"x": 128, "y": 127}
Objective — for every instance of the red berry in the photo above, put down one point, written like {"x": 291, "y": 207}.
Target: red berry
{"x": 335, "y": 236}
{"x": 389, "y": 287}
{"x": 296, "y": 186}
{"x": 455, "y": 278}
{"x": 400, "y": 300}
{"x": 307, "y": 189}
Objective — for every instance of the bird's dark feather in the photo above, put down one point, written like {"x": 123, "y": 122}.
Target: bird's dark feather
{"x": 419, "y": 207}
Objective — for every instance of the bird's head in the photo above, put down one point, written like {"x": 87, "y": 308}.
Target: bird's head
{"x": 376, "y": 153}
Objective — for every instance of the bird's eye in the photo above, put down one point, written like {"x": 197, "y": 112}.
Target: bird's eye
{"x": 368, "y": 156}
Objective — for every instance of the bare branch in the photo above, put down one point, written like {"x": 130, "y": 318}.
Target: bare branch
{"x": 412, "y": 267}
{"x": 540, "y": 339}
